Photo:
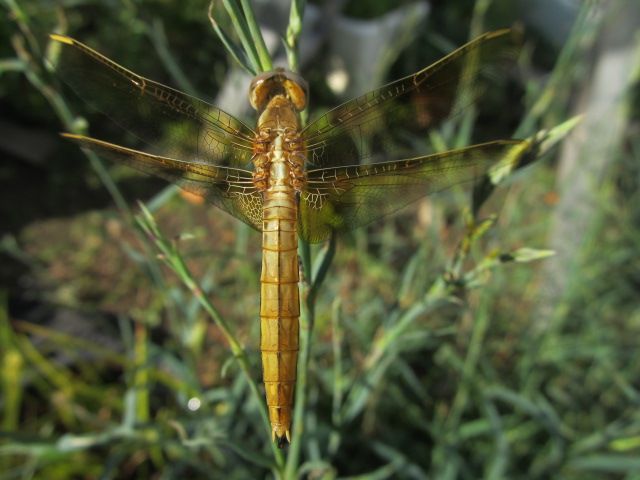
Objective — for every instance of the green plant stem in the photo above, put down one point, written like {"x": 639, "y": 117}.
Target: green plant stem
{"x": 294, "y": 29}
{"x": 11, "y": 370}
{"x": 159, "y": 39}
{"x": 324, "y": 262}
{"x": 308, "y": 288}
{"x": 22, "y": 20}
{"x": 582, "y": 33}
{"x": 141, "y": 373}
{"x": 307, "y": 317}
{"x": 258, "y": 40}
{"x": 306, "y": 322}
{"x": 440, "y": 291}
{"x": 336, "y": 404}
{"x": 234, "y": 50}
{"x": 11, "y": 65}
{"x": 242, "y": 30}
{"x": 304, "y": 252}
{"x": 480, "y": 327}
{"x": 480, "y": 9}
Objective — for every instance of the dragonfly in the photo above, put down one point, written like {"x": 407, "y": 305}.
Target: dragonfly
{"x": 347, "y": 168}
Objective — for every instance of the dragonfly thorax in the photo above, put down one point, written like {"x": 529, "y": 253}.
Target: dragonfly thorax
{"x": 279, "y": 116}
{"x": 278, "y": 150}
{"x": 280, "y": 166}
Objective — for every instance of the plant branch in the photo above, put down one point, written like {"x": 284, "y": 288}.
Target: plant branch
{"x": 264, "y": 58}
{"x": 294, "y": 29}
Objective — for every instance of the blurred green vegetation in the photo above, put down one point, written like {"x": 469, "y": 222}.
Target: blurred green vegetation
{"x": 110, "y": 367}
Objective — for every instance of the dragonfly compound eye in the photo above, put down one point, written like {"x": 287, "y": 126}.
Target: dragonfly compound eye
{"x": 279, "y": 82}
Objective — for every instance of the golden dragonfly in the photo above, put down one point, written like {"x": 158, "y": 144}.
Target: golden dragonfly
{"x": 343, "y": 170}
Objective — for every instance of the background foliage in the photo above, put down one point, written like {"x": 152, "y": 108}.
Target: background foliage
{"x": 112, "y": 368}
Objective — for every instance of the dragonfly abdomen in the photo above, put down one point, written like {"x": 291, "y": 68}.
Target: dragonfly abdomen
{"x": 279, "y": 307}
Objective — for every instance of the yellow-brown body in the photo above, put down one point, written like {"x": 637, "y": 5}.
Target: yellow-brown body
{"x": 278, "y": 173}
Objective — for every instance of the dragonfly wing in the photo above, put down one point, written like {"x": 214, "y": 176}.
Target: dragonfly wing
{"x": 342, "y": 198}
{"x": 180, "y": 125}
{"x": 380, "y": 120}
{"x": 230, "y": 189}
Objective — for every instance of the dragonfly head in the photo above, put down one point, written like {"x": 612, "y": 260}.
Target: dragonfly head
{"x": 279, "y": 82}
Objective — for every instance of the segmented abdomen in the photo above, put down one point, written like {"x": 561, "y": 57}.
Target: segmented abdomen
{"x": 279, "y": 307}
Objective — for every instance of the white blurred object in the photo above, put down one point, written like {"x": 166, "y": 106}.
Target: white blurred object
{"x": 194, "y": 404}
{"x": 363, "y": 50}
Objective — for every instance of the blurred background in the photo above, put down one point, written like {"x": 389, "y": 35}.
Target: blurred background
{"x": 528, "y": 368}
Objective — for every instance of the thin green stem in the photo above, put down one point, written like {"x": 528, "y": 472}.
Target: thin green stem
{"x": 336, "y": 404}
{"x": 11, "y": 369}
{"x": 477, "y": 19}
{"x": 258, "y": 40}
{"x": 307, "y": 317}
{"x": 234, "y": 50}
{"x": 582, "y": 33}
{"x": 11, "y": 65}
{"x": 304, "y": 252}
{"x": 141, "y": 372}
{"x": 294, "y": 29}
{"x": 308, "y": 289}
{"x": 159, "y": 39}
{"x": 306, "y": 324}
{"x": 242, "y": 30}
{"x": 480, "y": 327}
{"x": 22, "y": 20}
{"x": 324, "y": 262}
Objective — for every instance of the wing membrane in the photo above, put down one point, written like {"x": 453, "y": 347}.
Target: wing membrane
{"x": 179, "y": 125}
{"x": 379, "y": 120}
{"x": 230, "y": 189}
{"x": 343, "y": 198}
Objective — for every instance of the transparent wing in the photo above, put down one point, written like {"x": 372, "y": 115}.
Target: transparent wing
{"x": 230, "y": 189}
{"x": 375, "y": 127}
{"x": 171, "y": 122}
{"x": 343, "y": 198}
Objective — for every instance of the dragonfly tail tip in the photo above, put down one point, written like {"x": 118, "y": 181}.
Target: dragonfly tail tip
{"x": 280, "y": 437}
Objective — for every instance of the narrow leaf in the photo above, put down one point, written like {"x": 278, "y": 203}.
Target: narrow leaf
{"x": 525, "y": 255}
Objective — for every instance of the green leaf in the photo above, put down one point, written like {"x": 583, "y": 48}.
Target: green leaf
{"x": 549, "y": 138}
{"x": 236, "y": 52}
{"x": 525, "y": 255}
{"x": 606, "y": 463}
{"x": 624, "y": 444}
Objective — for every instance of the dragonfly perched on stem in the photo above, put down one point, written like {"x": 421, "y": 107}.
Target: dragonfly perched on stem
{"x": 346, "y": 169}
